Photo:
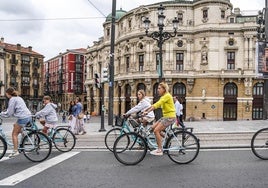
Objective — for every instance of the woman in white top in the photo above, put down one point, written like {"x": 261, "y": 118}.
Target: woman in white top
{"x": 18, "y": 109}
{"x": 142, "y": 106}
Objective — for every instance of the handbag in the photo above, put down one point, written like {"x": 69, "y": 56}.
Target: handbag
{"x": 70, "y": 117}
{"x": 80, "y": 115}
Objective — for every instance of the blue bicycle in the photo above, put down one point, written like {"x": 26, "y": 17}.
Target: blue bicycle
{"x": 35, "y": 145}
{"x": 180, "y": 144}
{"x": 61, "y": 136}
{"x": 127, "y": 124}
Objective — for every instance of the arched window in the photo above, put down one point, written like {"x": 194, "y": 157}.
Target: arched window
{"x": 179, "y": 89}
{"x": 141, "y": 86}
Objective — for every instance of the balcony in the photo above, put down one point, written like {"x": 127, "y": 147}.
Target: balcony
{"x": 13, "y": 61}
{"x": 35, "y": 74}
{"x": 36, "y": 64}
{"x": 13, "y": 73}
{"x": 24, "y": 73}
{"x": 25, "y": 84}
{"x": 13, "y": 84}
{"x": 35, "y": 86}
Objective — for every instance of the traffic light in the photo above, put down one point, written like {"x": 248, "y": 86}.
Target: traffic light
{"x": 104, "y": 75}
{"x": 261, "y": 27}
{"x": 97, "y": 80}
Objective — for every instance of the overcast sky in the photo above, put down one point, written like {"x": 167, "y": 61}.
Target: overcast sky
{"x": 40, "y": 23}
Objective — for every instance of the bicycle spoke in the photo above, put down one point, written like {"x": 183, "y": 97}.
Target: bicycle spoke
{"x": 259, "y": 144}
{"x": 183, "y": 147}
{"x": 64, "y": 140}
{"x": 130, "y": 148}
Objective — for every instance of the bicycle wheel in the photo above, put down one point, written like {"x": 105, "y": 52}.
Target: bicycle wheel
{"x": 36, "y": 146}
{"x": 183, "y": 147}
{"x": 3, "y": 147}
{"x": 111, "y": 136}
{"x": 130, "y": 148}
{"x": 63, "y": 139}
{"x": 259, "y": 144}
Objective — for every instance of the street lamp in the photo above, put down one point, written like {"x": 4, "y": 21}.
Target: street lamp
{"x": 160, "y": 36}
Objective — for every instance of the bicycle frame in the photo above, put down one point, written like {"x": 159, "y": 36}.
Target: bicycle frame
{"x": 168, "y": 132}
{"x": 24, "y": 133}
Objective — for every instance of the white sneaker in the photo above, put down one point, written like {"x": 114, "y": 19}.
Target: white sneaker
{"x": 157, "y": 152}
{"x": 14, "y": 154}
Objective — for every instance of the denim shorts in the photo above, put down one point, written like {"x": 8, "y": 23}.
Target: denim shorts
{"x": 24, "y": 121}
{"x": 167, "y": 121}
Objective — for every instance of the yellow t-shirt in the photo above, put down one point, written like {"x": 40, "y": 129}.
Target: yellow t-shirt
{"x": 167, "y": 105}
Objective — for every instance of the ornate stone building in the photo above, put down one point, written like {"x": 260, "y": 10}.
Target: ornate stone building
{"x": 210, "y": 64}
{"x": 21, "y": 68}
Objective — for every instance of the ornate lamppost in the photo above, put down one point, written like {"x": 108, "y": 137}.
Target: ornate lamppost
{"x": 160, "y": 36}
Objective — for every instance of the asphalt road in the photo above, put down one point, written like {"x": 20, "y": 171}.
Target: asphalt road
{"x": 99, "y": 169}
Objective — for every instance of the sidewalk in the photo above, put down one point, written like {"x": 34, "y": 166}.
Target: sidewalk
{"x": 212, "y": 134}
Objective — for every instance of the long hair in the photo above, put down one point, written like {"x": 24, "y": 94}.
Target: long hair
{"x": 164, "y": 86}
{"x": 11, "y": 91}
{"x": 141, "y": 91}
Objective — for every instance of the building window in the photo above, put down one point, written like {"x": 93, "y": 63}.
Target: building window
{"x": 205, "y": 14}
{"x": 222, "y": 14}
{"x": 129, "y": 24}
{"x": 231, "y": 20}
{"x": 35, "y": 93}
{"x": 25, "y": 60}
{"x": 108, "y": 32}
{"x": 127, "y": 64}
{"x": 180, "y": 18}
{"x": 179, "y": 61}
{"x": 25, "y": 92}
{"x": 157, "y": 63}
{"x": 141, "y": 63}
{"x": 230, "y": 60}
{"x": 78, "y": 58}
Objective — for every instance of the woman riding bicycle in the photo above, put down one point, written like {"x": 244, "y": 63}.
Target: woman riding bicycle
{"x": 49, "y": 113}
{"x": 141, "y": 106}
{"x": 169, "y": 115}
{"x": 17, "y": 108}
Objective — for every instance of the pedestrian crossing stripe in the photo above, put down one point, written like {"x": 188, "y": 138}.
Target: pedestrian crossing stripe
{"x": 29, "y": 172}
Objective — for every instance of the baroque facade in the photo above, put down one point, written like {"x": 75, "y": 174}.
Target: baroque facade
{"x": 210, "y": 63}
{"x": 21, "y": 68}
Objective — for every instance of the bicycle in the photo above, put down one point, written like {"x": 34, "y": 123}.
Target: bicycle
{"x": 259, "y": 144}
{"x": 62, "y": 138}
{"x": 35, "y": 146}
{"x": 181, "y": 145}
{"x": 114, "y": 133}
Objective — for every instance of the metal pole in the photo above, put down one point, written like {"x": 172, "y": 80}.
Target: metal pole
{"x": 111, "y": 67}
{"x": 265, "y": 74}
{"x": 102, "y": 129}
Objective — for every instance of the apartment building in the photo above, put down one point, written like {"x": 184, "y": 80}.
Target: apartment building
{"x": 21, "y": 68}
{"x": 64, "y": 78}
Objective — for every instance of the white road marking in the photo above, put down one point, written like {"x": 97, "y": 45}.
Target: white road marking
{"x": 27, "y": 173}
{"x": 4, "y": 158}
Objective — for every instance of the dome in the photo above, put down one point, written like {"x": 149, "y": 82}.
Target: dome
{"x": 118, "y": 15}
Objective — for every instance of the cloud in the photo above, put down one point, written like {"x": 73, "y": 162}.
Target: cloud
{"x": 51, "y": 36}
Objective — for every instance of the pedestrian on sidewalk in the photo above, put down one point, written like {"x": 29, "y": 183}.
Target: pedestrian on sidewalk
{"x": 48, "y": 113}
{"x": 179, "y": 109}
{"x": 18, "y": 109}
{"x": 79, "y": 124}
{"x": 71, "y": 116}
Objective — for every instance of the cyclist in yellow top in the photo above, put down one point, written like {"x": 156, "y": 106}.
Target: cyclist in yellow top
{"x": 169, "y": 115}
